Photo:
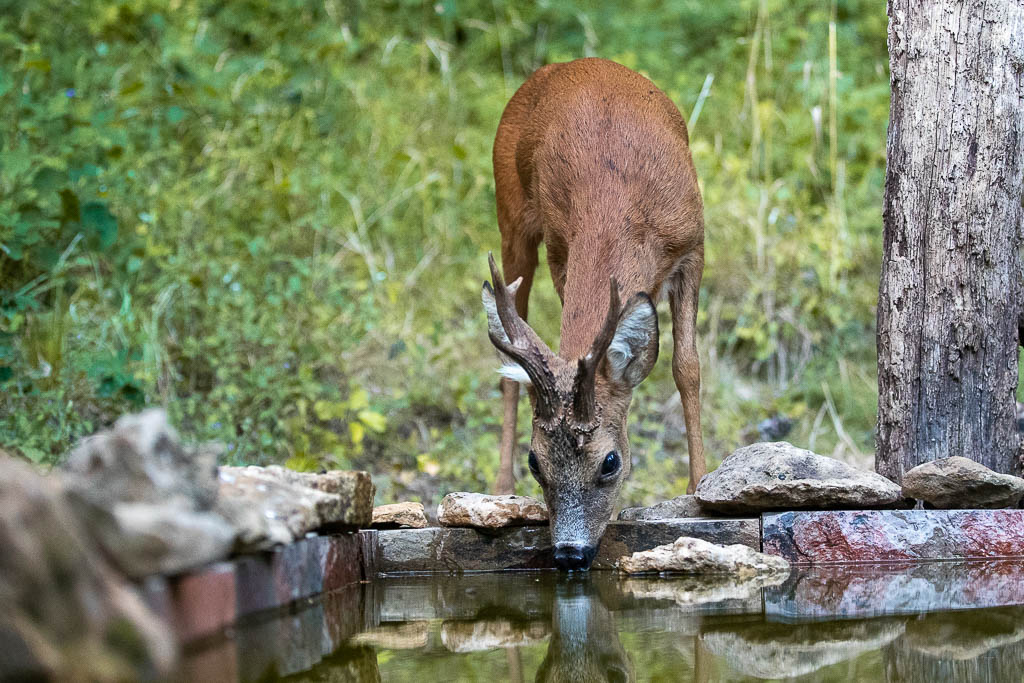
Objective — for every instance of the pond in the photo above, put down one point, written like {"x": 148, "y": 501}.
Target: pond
{"x": 877, "y": 623}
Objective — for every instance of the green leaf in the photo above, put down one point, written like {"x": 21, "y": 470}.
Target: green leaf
{"x": 328, "y": 410}
{"x": 356, "y": 432}
{"x": 34, "y": 454}
{"x": 358, "y": 399}
{"x": 302, "y": 463}
{"x": 97, "y": 220}
{"x": 373, "y": 420}
{"x": 49, "y": 179}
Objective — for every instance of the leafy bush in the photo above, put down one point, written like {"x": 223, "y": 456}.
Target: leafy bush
{"x": 272, "y": 218}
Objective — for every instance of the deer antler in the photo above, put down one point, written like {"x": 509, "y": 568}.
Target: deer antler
{"x": 583, "y": 402}
{"x": 523, "y": 345}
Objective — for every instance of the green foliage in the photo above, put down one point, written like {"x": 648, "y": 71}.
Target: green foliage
{"x": 272, "y": 218}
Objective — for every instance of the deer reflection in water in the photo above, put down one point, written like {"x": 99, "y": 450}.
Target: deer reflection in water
{"x": 584, "y": 644}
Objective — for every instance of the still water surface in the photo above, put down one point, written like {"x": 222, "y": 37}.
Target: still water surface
{"x": 894, "y": 623}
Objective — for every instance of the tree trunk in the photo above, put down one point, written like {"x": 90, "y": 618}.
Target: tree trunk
{"x": 951, "y": 293}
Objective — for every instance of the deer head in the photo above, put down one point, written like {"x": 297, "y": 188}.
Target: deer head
{"x": 579, "y": 450}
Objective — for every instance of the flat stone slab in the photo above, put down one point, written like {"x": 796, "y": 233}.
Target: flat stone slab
{"x": 866, "y": 536}
{"x": 454, "y": 549}
{"x": 847, "y": 592}
{"x": 479, "y": 510}
{"x": 680, "y": 506}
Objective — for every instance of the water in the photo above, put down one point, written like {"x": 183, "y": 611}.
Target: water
{"x": 894, "y": 623}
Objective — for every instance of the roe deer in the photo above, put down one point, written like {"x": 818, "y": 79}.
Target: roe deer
{"x": 592, "y": 159}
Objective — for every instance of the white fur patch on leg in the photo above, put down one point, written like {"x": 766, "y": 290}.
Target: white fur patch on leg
{"x": 514, "y": 372}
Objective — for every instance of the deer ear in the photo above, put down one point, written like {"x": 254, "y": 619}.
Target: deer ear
{"x": 634, "y": 347}
{"x": 509, "y": 368}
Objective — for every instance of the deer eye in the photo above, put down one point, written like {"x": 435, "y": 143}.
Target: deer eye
{"x": 612, "y": 463}
{"x": 532, "y": 462}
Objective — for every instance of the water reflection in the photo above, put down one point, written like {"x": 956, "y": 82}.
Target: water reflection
{"x": 584, "y": 643}
{"x": 883, "y": 623}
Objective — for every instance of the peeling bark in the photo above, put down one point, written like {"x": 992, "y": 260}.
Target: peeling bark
{"x": 950, "y": 299}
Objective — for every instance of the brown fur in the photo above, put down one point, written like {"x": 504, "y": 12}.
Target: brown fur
{"x": 592, "y": 159}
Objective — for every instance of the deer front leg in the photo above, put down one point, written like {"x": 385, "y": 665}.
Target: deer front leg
{"x": 505, "y": 484}
{"x": 683, "y": 295}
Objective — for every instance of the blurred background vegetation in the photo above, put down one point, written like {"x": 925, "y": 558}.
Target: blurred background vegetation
{"x": 272, "y": 217}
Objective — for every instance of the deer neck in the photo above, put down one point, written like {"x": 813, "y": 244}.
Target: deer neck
{"x": 585, "y": 295}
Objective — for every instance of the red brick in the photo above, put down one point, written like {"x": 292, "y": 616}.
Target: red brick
{"x": 204, "y": 601}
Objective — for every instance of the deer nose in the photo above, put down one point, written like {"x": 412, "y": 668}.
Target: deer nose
{"x": 571, "y": 557}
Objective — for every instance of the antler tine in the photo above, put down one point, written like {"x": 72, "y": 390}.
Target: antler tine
{"x": 523, "y": 345}
{"x": 504, "y": 298}
{"x": 586, "y": 370}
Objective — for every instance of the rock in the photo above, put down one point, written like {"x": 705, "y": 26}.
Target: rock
{"x": 958, "y": 482}
{"x": 694, "y": 556}
{"x": 146, "y": 498}
{"x": 678, "y": 507}
{"x": 273, "y": 505}
{"x": 65, "y": 613}
{"x": 489, "y": 634}
{"x": 966, "y": 635}
{"x": 397, "y": 515}
{"x": 765, "y": 650}
{"x": 873, "y": 590}
{"x": 140, "y": 460}
{"x": 779, "y": 476}
{"x": 700, "y": 590}
{"x": 144, "y": 538}
{"x": 410, "y": 635}
{"x": 481, "y": 511}
{"x": 811, "y": 537}
{"x": 975, "y": 645}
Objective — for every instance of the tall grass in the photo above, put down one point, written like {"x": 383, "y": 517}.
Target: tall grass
{"x": 304, "y": 202}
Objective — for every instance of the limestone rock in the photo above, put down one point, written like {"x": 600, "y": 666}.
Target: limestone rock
{"x": 410, "y": 635}
{"x": 140, "y": 460}
{"x": 694, "y": 556}
{"x": 273, "y": 505}
{"x": 770, "y": 650}
{"x": 147, "y": 498}
{"x": 397, "y": 515}
{"x": 65, "y": 613}
{"x": 678, "y": 507}
{"x": 699, "y": 590}
{"x": 488, "y": 634}
{"x": 145, "y": 538}
{"x": 490, "y": 512}
{"x": 779, "y": 476}
{"x": 957, "y": 482}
